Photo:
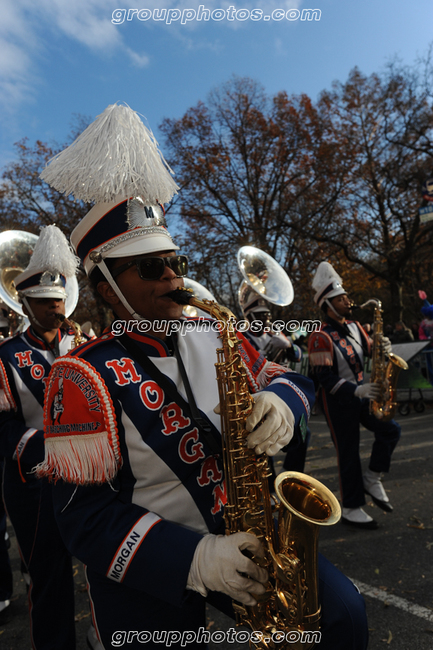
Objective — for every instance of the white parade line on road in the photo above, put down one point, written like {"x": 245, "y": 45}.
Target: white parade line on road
{"x": 390, "y": 599}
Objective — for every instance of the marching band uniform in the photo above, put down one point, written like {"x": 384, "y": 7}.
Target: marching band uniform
{"x": 25, "y": 363}
{"x": 336, "y": 356}
{"x": 140, "y": 490}
{"x": 170, "y": 489}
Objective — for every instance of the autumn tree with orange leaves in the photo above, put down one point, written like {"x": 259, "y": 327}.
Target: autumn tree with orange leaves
{"x": 338, "y": 180}
{"x": 245, "y": 162}
{"x": 388, "y": 122}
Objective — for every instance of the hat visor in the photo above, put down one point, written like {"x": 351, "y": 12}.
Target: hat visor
{"x": 47, "y": 292}
{"x": 149, "y": 243}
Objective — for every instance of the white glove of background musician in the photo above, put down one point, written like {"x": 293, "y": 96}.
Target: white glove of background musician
{"x": 279, "y": 342}
{"x": 386, "y": 345}
{"x": 277, "y": 429}
{"x": 369, "y": 391}
{"x": 218, "y": 563}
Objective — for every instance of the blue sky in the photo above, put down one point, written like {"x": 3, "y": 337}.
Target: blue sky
{"x": 64, "y": 57}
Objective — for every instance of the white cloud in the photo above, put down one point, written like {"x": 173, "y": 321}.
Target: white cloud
{"x": 26, "y": 26}
{"x": 86, "y": 21}
{"x": 139, "y": 60}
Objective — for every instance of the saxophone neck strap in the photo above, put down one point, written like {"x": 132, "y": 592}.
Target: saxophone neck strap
{"x": 343, "y": 329}
{"x": 207, "y": 430}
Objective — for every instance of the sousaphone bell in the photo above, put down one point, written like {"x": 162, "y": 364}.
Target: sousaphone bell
{"x": 263, "y": 277}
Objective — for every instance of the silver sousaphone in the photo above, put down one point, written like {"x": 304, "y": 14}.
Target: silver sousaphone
{"x": 263, "y": 278}
{"x": 16, "y": 248}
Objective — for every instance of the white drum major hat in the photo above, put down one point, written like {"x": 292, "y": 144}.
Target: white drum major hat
{"x": 119, "y": 229}
{"x": 51, "y": 264}
{"x": 116, "y": 163}
{"x": 327, "y": 283}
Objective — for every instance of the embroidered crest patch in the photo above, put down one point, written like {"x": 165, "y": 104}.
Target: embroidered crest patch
{"x": 81, "y": 438}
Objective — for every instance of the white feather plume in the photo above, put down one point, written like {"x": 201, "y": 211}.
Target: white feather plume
{"x": 115, "y": 155}
{"x": 53, "y": 253}
{"x": 324, "y": 275}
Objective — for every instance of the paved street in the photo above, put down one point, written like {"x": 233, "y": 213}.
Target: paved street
{"x": 392, "y": 565}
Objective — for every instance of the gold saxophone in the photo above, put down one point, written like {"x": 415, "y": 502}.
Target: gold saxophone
{"x": 78, "y": 334}
{"x": 383, "y": 372}
{"x": 290, "y": 607}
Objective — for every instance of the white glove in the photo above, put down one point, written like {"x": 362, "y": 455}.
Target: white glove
{"x": 369, "y": 391}
{"x": 386, "y": 345}
{"x": 277, "y": 429}
{"x": 218, "y": 564}
{"x": 279, "y": 342}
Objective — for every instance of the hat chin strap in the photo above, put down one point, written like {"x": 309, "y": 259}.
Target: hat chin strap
{"x": 31, "y": 314}
{"x": 332, "y": 308}
{"x": 119, "y": 294}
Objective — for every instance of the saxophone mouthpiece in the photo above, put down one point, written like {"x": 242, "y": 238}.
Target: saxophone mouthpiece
{"x": 181, "y": 296}
{"x": 62, "y": 318}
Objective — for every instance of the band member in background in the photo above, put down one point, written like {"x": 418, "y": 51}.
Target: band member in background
{"x": 25, "y": 363}
{"x": 276, "y": 347}
{"x": 337, "y": 355}
{"x": 140, "y": 492}
{"x": 425, "y": 331}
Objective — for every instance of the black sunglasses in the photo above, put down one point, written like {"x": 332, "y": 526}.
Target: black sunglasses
{"x": 152, "y": 268}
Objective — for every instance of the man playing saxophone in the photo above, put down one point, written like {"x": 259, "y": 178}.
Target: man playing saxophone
{"x": 140, "y": 488}
{"x": 337, "y": 355}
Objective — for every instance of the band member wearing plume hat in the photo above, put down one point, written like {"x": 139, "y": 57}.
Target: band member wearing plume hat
{"x": 25, "y": 363}
{"x": 337, "y": 355}
{"x": 140, "y": 489}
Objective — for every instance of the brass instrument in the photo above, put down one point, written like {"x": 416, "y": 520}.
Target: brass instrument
{"x": 78, "y": 334}
{"x": 290, "y": 604}
{"x": 16, "y": 248}
{"x": 383, "y": 372}
{"x": 262, "y": 276}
